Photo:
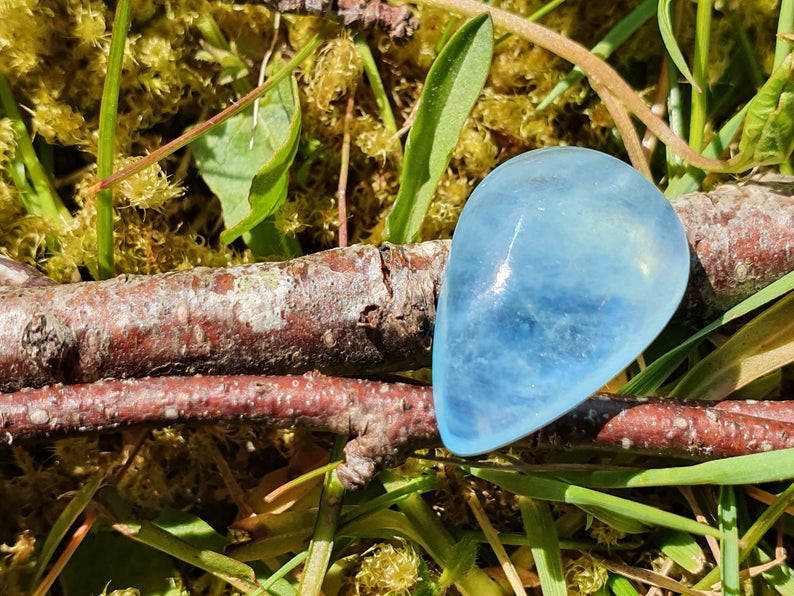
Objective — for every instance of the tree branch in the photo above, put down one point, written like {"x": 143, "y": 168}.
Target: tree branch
{"x": 353, "y": 311}
{"x": 388, "y": 420}
{"x": 397, "y": 21}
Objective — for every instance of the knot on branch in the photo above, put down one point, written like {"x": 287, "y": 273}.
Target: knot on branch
{"x": 49, "y": 345}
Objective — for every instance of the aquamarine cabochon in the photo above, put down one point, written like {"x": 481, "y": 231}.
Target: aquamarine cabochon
{"x": 565, "y": 264}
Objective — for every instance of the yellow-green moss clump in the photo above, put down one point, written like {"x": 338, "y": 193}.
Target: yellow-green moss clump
{"x": 184, "y": 61}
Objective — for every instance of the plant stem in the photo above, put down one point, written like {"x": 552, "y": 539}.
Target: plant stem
{"x": 322, "y": 542}
{"x": 785, "y": 24}
{"x": 42, "y": 199}
{"x": 195, "y": 132}
{"x": 106, "y": 149}
{"x": 593, "y": 67}
{"x": 699, "y": 111}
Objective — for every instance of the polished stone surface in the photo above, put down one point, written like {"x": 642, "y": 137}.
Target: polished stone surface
{"x": 565, "y": 264}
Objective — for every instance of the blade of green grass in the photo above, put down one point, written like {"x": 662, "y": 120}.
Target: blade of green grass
{"x": 280, "y": 573}
{"x": 419, "y": 485}
{"x": 699, "y": 106}
{"x": 541, "y": 487}
{"x": 542, "y": 535}
{"x": 65, "y": 520}
{"x": 322, "y": 542}
{"x": 437, "y": 541}
{"x": 785, "y": 24}
{"x": 729, "y": 546}
{"x": 620, "y": 586}
{"x": 376, "y": 84}
{"x": 664, "y": 16}
{"x": 771, "y": 466}
{"x": 604, "y": 48}
{"x": 35, "y": 188}
{"x": 106, "y": 147}
{"x": 232, "y": 571}
{"x": 691, "y": 180}
{"x": 760, "y": 527}
{"x": 683, "y": 549}
{"x": 452, "y": 86}
{"x": 650, "y": 379}
{"x": 761, "y": 346}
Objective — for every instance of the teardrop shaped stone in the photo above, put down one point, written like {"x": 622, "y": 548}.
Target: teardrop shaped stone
{"x": 565, "y": 264}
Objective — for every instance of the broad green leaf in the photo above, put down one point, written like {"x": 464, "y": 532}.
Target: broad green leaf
{"x": 768, "y": 134}
{"x": 542, "y": 535}
{"x": 269, "y": 186}
{"x": 237, "y": 574}
{"x": 191, "y": 528}
{"x": 682, "y": 549}
{"x": 650, "y": 379}
{"x": 764, "y": 344}
{"x": 236, "y": 171}
{"x": 547, "y": 489}
{"x": 451, "y": 88}
{"x": 664, "y": 15}
{"x": 65, "y": 520}
{"x": 604, "y": 48}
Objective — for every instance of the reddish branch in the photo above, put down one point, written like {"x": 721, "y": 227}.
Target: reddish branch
{"x": 351, "y": 311}
{"x": 743, "y": 236}
{"x": 397, "y": 21}
{"x": 387, "y": 420}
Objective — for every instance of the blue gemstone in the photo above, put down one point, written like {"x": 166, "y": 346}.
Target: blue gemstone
{"x": 565, "y": 264}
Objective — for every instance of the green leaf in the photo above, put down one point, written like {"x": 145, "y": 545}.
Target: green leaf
{"x": 604, "y": 48}
{"x": 545, "y": 546}
{"x": 664, "y": 15}
{"x": 729, "y": 546}
{"x": 237, "y": 574}
{"x": 768, "y": 135}
{"x": 107, "y": 561}
{"x": 191, "y": 528}
{"x": 620, "y": 586}
{"x": 547, "y": 489}
{"x": 451, "y": 88}
{"x": 65, "y": 520}
{"x": 764, "y": 344}
{"x": 682, "y": 549}
{"x": 650, "y": 379}
{"x": 251, "y": 182}
{"x": 771, "y": 466}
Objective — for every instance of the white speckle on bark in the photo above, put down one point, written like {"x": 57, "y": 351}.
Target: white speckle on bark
{"x": 259, "y": 300}
{"x": 39, "y": 416}
{"x": 182, "y": 313}
{"x": 171, "y": 412}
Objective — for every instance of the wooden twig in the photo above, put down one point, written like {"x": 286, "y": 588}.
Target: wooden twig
{"x": 397, "y": 21}
{"x": 357, "y": 310}
{"x": 352, "y": 311}
{"x": 387, "y": 421}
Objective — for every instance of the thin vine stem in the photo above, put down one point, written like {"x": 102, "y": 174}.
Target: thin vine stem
{"x": 235, "y": 108}
{"x": 595, "y": 69}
